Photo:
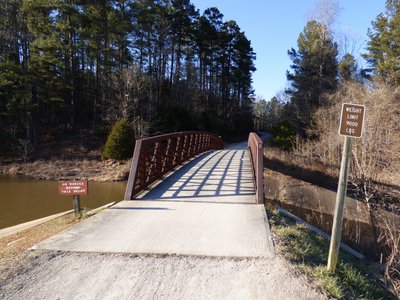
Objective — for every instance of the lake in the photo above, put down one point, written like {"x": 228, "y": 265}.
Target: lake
{"x": 23, "y": 199}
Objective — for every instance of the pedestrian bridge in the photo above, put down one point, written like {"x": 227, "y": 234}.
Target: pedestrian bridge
{"x": 186, "y": 195}
{"x": 213, "y": 174}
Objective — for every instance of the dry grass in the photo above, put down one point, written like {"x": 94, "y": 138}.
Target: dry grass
{"x": 376, "y": 156}
{"x": 375, "y": 162}
{"x": 14, "y": 248}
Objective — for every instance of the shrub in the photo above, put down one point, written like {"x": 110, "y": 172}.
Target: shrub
{"x": 120, "y": 142}
{"x": 283, "y": 135}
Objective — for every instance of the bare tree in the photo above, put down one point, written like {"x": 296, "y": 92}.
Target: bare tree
{"x": 24, "y": 148}
{"x": 349, "y": 42}
{"x": 325, "y": 12}
{"x": 129, "y": 90}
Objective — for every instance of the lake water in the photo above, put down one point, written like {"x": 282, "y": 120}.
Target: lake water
{"x": 23, "y": 199}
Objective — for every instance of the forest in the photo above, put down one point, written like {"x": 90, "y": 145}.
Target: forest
{"x": 160, "y": 66}
{"x": 326, "y": 72}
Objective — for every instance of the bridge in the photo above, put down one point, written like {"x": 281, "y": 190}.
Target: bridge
{"x": 185, "y": 195}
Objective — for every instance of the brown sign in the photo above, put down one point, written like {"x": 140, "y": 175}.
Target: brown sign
{"x": 352, "y": 120}
{"x": 72, "y": 188}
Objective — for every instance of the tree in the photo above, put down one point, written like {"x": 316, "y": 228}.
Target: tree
{"x": 46, "y": 64}
{"x": 15, "y": 99}
{"x": 67, "y": 65}
{"x": 314, "y": 72}
{"x": 120, "y": 142}
{"x": 384, "y": 44}
{"x": 129, "y": 89}
{"x": 260, "y": 112}
{"x": 183, "y": 14}
{"x": 347, "y": 68}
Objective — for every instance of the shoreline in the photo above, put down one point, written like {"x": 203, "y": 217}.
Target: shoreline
{"x": 11, "y": 230}
{"x": 92, "y": 169}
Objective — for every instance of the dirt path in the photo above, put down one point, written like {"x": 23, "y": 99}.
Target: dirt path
{"x": 62, "y": 275}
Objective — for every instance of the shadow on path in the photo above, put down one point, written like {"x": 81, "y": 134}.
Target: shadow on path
{"x": 218, "y": 176}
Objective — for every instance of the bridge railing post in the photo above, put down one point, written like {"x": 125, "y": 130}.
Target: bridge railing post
{"x": 133, "y": 173}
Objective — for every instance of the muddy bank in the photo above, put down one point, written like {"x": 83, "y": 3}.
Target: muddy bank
{"x": 70, "y": 169}
{"x": 66, "y": 156}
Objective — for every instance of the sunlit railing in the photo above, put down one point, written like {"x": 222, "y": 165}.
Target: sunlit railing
{"x": 155, "y": 156}
{"x": 256, "y": 150}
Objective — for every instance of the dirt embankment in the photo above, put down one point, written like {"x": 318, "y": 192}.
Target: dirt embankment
{"x": 75, "y": 157}
{"x": 71, "y": 169}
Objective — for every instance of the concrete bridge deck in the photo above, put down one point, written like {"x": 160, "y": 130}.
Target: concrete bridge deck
{"x": 207, "y": 208}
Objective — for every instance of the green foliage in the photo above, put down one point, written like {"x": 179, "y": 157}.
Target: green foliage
{"x": 347, "y": 68}
{"x": 267, "y": 114}
{"x": 314, "y": 72}
{"x": 120, "y": 142}
{"x": 58, "y": 58}
{"x": 175, "y": 118}
{"x": 242, "y": 121}
{"x": 384, "y": 44}
{"x": 283, "y": 135}
{"x": 309, "y": 252}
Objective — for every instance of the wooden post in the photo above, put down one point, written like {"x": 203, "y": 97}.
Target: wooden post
{"x": 340, "y": 199}
{"x": 77, "y": 205}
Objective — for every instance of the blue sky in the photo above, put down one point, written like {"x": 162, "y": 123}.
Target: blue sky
{"x": 273, "y": 28}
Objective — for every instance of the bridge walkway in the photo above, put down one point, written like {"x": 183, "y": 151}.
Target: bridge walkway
{"x": 207, "y": 207}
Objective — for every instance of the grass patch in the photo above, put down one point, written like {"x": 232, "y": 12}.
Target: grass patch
{"x": 309, "y": 252}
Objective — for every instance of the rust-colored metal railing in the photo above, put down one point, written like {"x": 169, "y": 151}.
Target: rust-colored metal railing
{"x": 256, "y": 151}
{"x": 155, "y": 156}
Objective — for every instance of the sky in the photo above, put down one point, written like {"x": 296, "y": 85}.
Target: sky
{"x": 274, "y": 26}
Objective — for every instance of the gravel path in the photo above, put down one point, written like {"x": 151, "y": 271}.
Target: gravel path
{"x": 63, "y": 275}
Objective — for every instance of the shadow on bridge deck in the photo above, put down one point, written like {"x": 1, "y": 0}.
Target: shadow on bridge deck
{"x": 224, "y": 176}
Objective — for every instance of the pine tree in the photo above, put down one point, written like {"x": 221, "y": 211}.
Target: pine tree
{"x": 384, "y": 44}
{"x": 314, "y": 72}
{"x": 15, "y": 99}
{"x": 57, "y": 58}
{"x": 46, "y": 62}
{"x": 347, "y": 68}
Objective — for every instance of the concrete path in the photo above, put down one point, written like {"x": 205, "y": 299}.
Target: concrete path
{"x": 205, "y": 208}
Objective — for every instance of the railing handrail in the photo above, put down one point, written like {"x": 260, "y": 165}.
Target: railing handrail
{"x": 255, "y": 145}
{"x": 155, "y": 156}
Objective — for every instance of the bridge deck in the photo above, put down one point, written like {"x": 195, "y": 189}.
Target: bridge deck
{"x": 224, "y": 176}
{"x": 204, "y": 208}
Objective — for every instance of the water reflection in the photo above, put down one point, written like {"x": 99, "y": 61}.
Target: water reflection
{"x": 23, "y": 199}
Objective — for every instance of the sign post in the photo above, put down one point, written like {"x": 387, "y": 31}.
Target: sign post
{"x": 74, "y": 189}
{"x": 351, "y": 126}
